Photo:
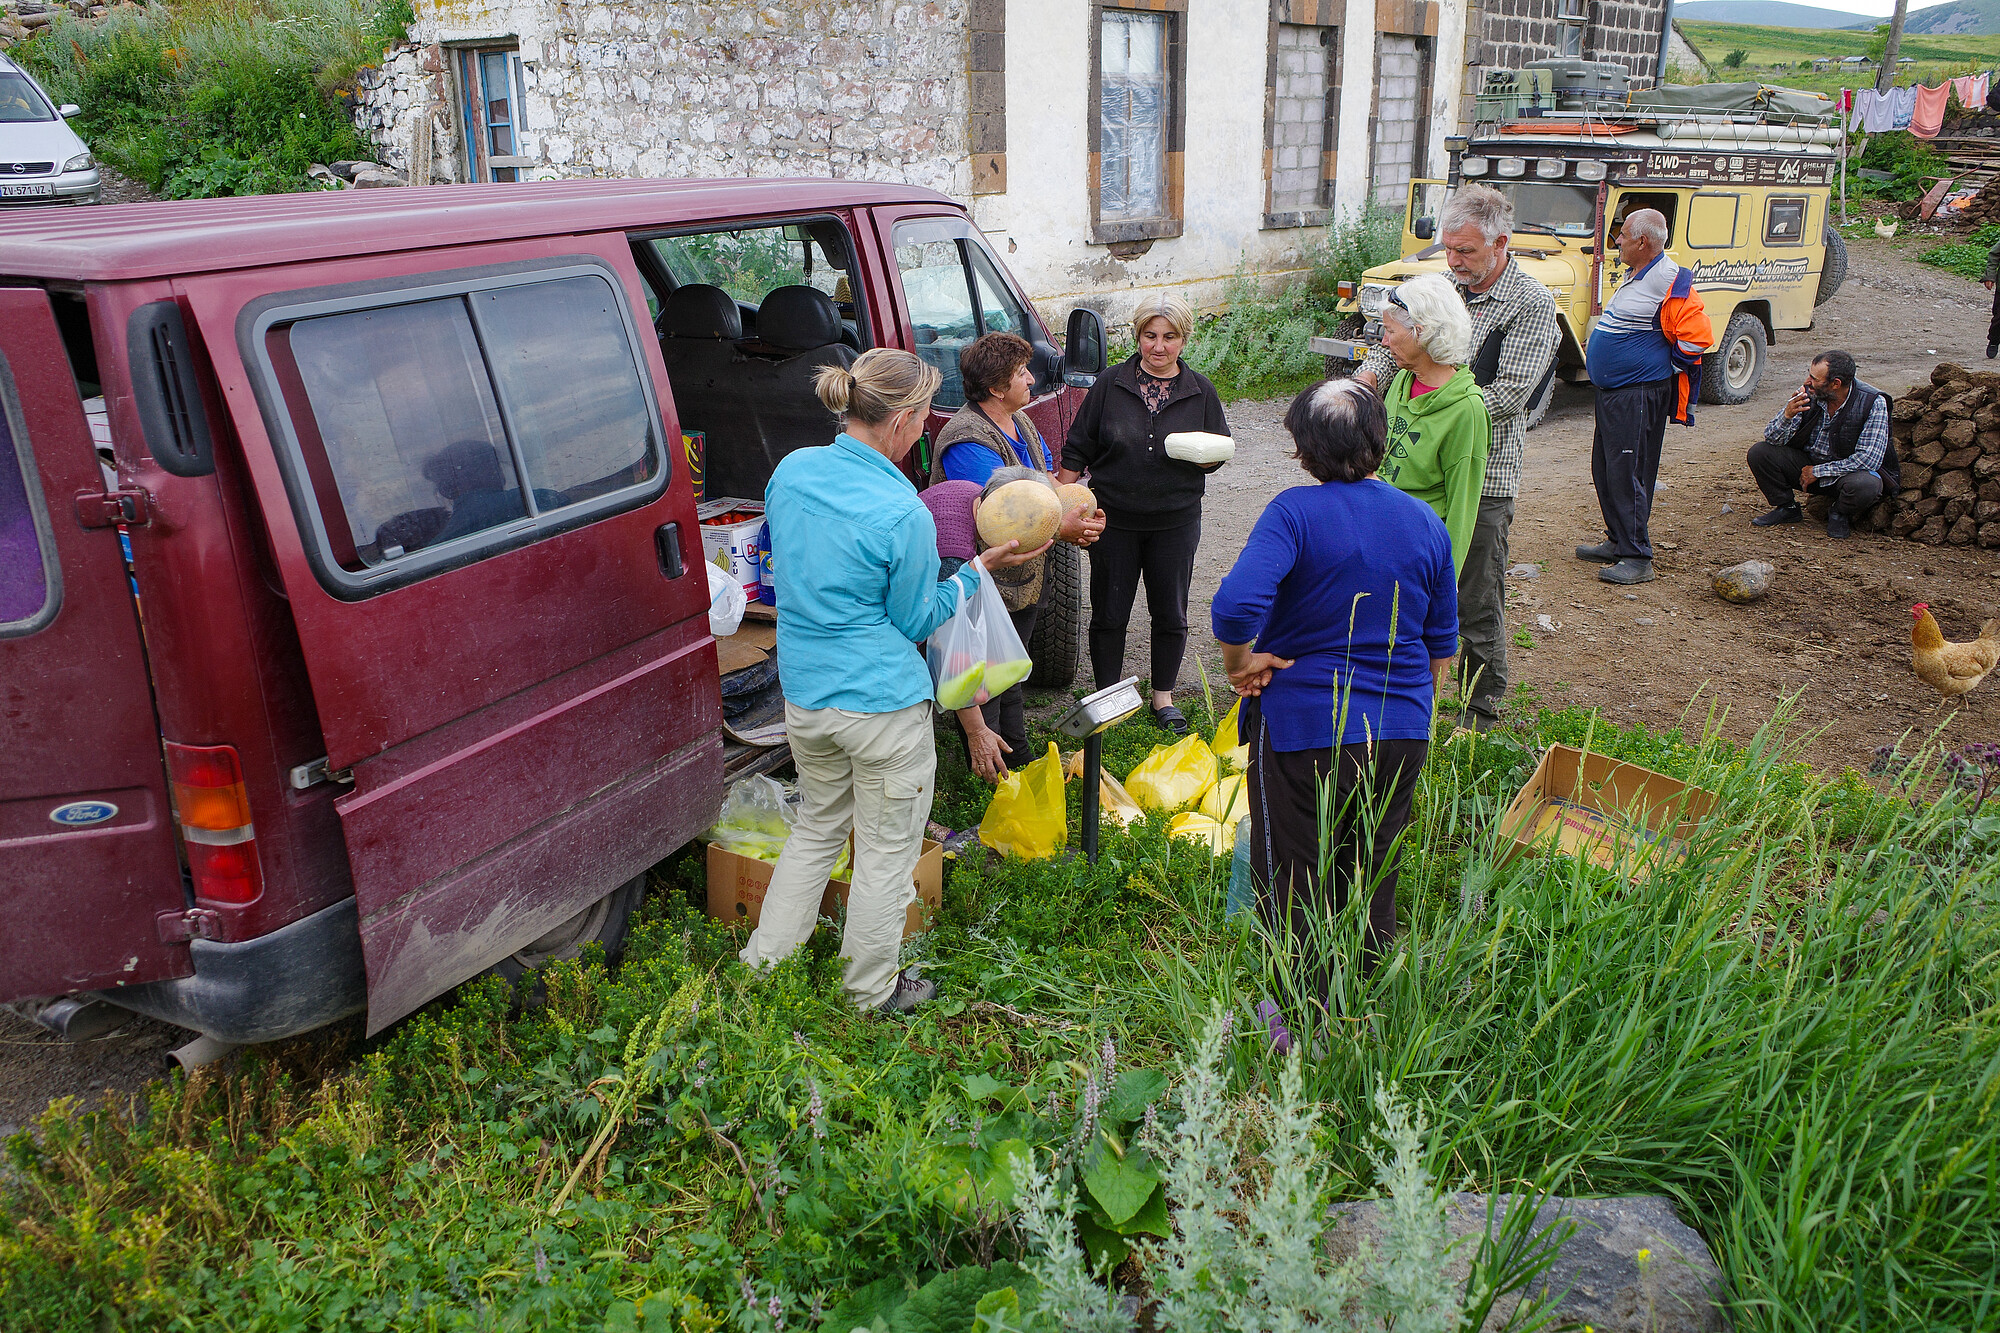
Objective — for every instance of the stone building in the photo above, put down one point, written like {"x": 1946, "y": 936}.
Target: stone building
{"x": 1107, "y": 147}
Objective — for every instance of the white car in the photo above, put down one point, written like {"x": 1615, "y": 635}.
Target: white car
{"x": 41, "y": 159}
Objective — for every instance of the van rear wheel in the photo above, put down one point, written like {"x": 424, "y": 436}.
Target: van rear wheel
{"x": 1730, "y": 373}
{"x": 1057, "y": 643}
{"x": 604, "y": 922}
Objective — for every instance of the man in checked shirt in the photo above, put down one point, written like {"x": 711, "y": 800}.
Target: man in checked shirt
{"x": 1514, "y": 336}
{"x": 1844, "y": 424}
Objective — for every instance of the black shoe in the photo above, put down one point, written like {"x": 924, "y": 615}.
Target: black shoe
{"x": 1992, "y": 350}
{"x": 1604, "y": 553}
{"x": 909, "y": 993}
{"x": 1838, "y": 525}
{"x": 1170, "y": 719}
{"x": 1629, "y": 570}
{"x": 1780, "y": 514}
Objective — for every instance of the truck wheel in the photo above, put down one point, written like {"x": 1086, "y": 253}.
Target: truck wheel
{"x": 1540, "y": 407}
{"x": 1834, "y": 271}
{"x": 603, "y": 922}
{"x": 1730, "y": 373}
{"x": 1058, "y": 636}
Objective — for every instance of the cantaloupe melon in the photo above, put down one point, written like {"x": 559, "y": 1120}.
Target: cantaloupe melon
{"x": 1023, "y": 511}
{"x": 1074, "y": 494}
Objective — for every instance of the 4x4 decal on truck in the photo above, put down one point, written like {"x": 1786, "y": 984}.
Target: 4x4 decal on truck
{"x": 1737, "y": 275}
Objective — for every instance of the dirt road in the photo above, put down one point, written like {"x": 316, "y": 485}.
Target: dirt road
{"x": 1835, "y": 630}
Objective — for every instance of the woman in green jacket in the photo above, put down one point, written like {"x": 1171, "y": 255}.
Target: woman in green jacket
{"x": 1438, "y": 428}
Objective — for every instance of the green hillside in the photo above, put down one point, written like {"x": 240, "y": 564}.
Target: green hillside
{"x": 1960, "y": 16}
{"x": 1769, "y": 48}
{"x": 1776, "y": 13}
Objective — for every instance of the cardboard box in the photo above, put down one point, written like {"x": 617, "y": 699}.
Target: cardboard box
{"x": 729, "y": 531}
{"x": 736, "y": 887}
{"x": 1625, "y": 818}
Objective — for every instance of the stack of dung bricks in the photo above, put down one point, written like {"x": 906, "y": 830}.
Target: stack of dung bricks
{"x": 1947, "y": 435}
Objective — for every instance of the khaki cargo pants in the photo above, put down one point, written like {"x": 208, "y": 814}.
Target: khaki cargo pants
{"x": 873, "y": 773}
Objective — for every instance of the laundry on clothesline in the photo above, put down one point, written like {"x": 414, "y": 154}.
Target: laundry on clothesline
{"x": 1927, "y": 113}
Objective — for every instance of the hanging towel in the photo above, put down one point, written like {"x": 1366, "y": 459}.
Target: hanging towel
{"x": 1927, "y": 116}
{"x": 1902, "y": 104}
{"x": 1874, "y": 112}
{"x": 1971, "y": 90}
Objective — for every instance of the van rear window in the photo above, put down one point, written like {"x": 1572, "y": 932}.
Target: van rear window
{"x": 458, "y": 421}
{"x": 26, "y": 561}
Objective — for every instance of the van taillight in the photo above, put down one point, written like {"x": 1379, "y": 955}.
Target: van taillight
{"x": 214, "y": 811}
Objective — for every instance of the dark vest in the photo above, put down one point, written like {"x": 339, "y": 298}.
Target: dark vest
{"x": 1486, "y": 367}
{"x": 1846, "y": 432}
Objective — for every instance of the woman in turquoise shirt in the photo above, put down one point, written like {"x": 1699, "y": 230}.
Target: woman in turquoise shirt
{"x": 854, "y": 563}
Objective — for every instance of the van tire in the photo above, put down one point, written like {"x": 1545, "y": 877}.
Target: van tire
{"x": 1833, "y": 271}
{"x": 1057, "y": 644}
{"x": 1742, "y": 351}
{"x": 604, "y": 922}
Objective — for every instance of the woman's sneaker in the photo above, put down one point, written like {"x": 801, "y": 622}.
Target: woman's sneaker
{"x": 910, "y": 992}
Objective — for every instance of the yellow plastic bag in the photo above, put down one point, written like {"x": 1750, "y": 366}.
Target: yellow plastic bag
{"x": 1234, "y": 757}
{"x": 1113, "y": 801}
{"x": 1173, "y": 776}
{"x": 1220, "y": 839}
{"x": 1026, "y": 817}
{"x": 1227, "y": 801}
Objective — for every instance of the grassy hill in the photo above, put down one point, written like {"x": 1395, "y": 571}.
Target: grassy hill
{"x": 1959, "y": 16}
{"x": 1768, "y": 47}
{"x": 1772, "y": 13}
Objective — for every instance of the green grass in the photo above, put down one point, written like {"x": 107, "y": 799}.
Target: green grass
{"x": 1791, "y": 1034}
{"x": 1966, "y": 258}
{"x": 217, "y": 97}
{"x": 1767, "y": 47}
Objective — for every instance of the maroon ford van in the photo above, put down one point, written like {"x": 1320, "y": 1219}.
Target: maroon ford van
{"x": 352, "y": 634}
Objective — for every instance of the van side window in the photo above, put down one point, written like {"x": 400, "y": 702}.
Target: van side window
{"x": 30, "y": 585}
{"x": 954, "y": 293}
{"x": 467, "y": 421}
{"x": 1785, "y": 223}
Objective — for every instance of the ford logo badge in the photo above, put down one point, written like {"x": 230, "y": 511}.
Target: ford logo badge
{"x": 82, "y": 814}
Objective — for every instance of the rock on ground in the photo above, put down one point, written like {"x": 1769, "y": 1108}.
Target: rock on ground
{"x": 1598, "y": 1274}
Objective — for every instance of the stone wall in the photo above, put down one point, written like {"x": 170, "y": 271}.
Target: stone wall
{"x": 672, "y": 88}
{"x": 1514, "y": 32}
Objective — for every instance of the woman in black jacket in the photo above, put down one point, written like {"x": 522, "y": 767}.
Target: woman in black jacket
{"x": 1151, "y": 503}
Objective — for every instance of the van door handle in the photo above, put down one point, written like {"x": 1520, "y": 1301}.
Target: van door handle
{"x": 667, "y": 540}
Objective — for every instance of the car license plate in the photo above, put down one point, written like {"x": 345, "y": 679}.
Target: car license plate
{"x": 23, "y": 191}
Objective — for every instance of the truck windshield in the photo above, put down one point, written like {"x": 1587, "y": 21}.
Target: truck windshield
{"x": 1555, "y": 210}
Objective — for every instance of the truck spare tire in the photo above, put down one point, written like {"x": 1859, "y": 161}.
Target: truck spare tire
{"x": 1834, "y": 271}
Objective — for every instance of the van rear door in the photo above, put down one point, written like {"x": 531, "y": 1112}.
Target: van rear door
{"x": 494, "y": 569}
{"x": 87, "y": 859}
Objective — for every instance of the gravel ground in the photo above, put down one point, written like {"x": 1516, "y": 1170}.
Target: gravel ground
{"x": 120, "y": 189}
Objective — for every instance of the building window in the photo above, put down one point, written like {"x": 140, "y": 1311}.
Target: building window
{"x": 1571, "y": 16}
{"x": 1136, "y": 148}
{"x": 1402, "y": 114}
{"x": 1305, "y": 109}
{"x": 491, "y": 94}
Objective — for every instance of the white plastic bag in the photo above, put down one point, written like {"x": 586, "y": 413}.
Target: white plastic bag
{"x": 1200, "y": 446}
{"x": 976, "y": 654}
{"x": 726, "y": 602}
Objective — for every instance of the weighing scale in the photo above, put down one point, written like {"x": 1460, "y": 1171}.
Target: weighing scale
{"x": 1088, "y": 720}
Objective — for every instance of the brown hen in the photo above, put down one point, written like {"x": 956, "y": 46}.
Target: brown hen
{"x": 1950, "y": 668}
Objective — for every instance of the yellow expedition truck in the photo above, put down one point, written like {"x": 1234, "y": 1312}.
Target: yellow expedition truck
{"x": 1742, "y": 173}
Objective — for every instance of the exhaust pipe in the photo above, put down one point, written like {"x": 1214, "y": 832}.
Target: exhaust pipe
{"x": 203, "y": 1050}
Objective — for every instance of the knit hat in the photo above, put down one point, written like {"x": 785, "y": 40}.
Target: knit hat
{"x": 950, "y": 503}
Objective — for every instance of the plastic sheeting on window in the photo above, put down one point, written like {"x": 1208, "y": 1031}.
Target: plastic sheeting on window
{"x": 1132, "y": 109}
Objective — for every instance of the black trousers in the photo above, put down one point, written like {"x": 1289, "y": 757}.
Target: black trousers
{"x": 1625, "y": 461}
{"x": 1993, "y": 328}
{"x": 1004, "y": 712}
{"x": 1369, "y": 792}
{"x": 1777, "y": 467}
{"x": 1118, "y": 558}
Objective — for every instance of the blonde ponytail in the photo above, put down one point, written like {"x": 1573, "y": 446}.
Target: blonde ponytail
{"x": 877, "y": 386}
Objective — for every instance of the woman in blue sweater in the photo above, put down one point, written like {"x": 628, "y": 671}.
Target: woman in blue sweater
{"x": 1337, "y": 625}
